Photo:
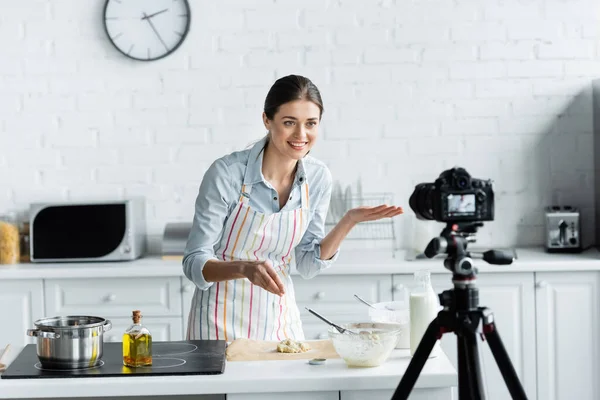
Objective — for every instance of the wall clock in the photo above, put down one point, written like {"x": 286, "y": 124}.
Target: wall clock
{"x": 146, "y": 30}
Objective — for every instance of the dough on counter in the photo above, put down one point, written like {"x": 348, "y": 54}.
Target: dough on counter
{"x": 291, "y": 346}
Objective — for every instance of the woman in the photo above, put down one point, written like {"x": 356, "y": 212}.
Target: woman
{"x": 259, "y": 214}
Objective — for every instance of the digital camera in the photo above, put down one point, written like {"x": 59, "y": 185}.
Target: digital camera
{"x": 454, "y": 197}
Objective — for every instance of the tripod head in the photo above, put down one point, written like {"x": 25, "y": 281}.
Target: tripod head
{"x": 453, "y": 241}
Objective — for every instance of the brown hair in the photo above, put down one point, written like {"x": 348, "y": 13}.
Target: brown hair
{"x": 290, "y": 88}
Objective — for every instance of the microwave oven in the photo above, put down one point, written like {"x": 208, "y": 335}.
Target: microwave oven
{"x": 87, "y": 231}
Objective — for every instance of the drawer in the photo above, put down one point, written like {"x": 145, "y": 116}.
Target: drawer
{"x": 113, "y": 297}
{"x": 333, "y": 289}
{"x": 162, "y": 329}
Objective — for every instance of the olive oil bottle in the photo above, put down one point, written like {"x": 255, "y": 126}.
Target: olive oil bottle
{"x": 137, "y": 343}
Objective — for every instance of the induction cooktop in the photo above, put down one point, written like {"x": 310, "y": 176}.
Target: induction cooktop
{"x": 189, "y": 357}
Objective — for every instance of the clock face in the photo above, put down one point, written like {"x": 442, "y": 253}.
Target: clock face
{"x": 146, "y": 29}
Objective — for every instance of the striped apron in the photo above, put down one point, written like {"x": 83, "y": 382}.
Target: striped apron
{"x": 237, "y": 308}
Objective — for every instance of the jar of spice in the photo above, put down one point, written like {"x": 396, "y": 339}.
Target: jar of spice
{"x": 10, "y": 242}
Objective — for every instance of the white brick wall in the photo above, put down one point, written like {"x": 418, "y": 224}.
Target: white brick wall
{"x": 410, "y": 88}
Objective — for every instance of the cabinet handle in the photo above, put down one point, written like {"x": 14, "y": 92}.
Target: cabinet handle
{"x": 111, "y": 297}
{"x": 542, "y": 284}
{"x": 320, "y": 295}
{"x": 397, "y": 287}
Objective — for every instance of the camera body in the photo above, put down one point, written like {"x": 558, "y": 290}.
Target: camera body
{"x": 454, "y": 197}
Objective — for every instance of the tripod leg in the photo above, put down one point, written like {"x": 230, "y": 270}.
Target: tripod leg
{"x": 470, "y": 385}
{"x": 418, "y": 361}
{"x": 501, "y": 356}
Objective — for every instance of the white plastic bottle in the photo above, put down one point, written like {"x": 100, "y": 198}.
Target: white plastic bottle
{"x": 424, "y": 307}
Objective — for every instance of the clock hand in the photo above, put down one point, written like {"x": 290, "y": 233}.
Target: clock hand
{"x": 156, "y": 13}
{"x": 155, "y": 31}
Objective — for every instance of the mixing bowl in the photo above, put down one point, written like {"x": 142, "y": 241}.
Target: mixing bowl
{"x": 370, "y": 348}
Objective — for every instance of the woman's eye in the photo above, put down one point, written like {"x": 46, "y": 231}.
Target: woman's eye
{"x": 312, "y": 123}
{"x": 288, "y": 123}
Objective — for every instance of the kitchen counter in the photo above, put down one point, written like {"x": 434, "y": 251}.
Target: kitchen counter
{"x": 252, "y": 380}
{"x": 350, "y": 262}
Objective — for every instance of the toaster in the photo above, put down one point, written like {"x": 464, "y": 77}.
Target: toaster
{"x": 563, "y": 233}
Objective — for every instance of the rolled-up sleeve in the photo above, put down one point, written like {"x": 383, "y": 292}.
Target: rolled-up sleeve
{"x": 211, "y": 209}
{"x": 308, "y": 251}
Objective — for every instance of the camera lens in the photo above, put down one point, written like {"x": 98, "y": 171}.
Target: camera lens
{"x": 420, "y": 201}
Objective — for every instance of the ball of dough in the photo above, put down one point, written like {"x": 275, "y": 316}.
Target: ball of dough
{"x": 291, "y": 346}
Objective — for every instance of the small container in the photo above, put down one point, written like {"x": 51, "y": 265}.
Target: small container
{"x": 137, "y": 343}
{"x": 10, "y": 242}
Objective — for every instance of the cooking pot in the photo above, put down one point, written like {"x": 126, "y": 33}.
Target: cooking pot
{"x": 69, "y": 342}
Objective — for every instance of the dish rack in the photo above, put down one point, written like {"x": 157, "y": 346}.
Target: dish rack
{"x": 371, "y": 234}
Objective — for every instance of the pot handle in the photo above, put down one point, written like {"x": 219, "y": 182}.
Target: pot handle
{"x": 42, "y": 334}
{"x": 107, "y": 326}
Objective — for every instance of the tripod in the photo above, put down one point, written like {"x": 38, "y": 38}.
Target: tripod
{"x": 462, "y": 315}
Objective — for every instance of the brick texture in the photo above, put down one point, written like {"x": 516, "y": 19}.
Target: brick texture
{"x": 410, "y": 88}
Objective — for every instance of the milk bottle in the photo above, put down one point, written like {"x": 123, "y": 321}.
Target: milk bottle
{"x": 424, "y": 306}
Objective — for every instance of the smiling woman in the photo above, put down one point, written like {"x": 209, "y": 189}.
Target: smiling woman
{"x": 259, "y": 214}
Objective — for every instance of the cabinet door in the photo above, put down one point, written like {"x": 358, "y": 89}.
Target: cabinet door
{"x": 510, "y": 297}
{"x": 415, "y": 394}
{"x": 22, "y": 303}
{"x": 287, "y": 396}
{"x": 567, "y": 335}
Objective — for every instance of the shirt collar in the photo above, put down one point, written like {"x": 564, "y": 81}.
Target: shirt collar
{"x": 254, "y": 168}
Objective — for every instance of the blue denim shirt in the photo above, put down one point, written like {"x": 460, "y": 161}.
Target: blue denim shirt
{"x": 220, "y": 191}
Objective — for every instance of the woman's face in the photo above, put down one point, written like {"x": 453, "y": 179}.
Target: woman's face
{"x": 294, "y": 128}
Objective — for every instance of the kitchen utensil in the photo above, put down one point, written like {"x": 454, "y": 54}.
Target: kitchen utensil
{"x": 243, "y": 349}
{"x": 69, "y": 342}
{"x": 339, "y": 328}
{"x": 370, "y": 348}
{"x": 3, "y": 358}
{"x": 363, "y": 301}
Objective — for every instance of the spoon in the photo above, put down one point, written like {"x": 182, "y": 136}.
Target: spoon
{"x": 364, "y": 301}
{"x": 339, "y": 328}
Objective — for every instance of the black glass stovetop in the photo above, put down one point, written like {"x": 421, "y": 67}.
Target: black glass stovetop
{"x": 190, "y": 357}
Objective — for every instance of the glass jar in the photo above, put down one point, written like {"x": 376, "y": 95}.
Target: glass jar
{"x": 25, "y": 246}
{"x": 10, "y": 241}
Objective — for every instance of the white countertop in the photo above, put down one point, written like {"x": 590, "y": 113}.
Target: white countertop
{"x": 350, "y": 262}
{"x": 241, "y": 377}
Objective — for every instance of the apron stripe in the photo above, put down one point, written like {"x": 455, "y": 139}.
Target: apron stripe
{"x": 243, "y": 282}
{"x": 232, "y": 257}
{"x": 225, "y": 283}
{"x": 207, "y": 315}
{"x": 251, "y": 284}
{"x": 259, "y": 247}
{"x": 199, "y": 311}
{"x": 283, "y": 261}
{"x": 287, "y": 230}
{"x": 269, "y": 294}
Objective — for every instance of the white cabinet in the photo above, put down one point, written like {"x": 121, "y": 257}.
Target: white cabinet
{"x": 567, "y": 316}
{"x": 110, "y": 297}
{"x": 22, "y": 304}
{"x": 511, "y": 298}
{"x": 288, "y": 396}
{"x": 415, "y": 394}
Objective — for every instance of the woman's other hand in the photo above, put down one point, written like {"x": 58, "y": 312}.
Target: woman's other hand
{"x": 365, "y": 213}
{"x": 262, "y": 273}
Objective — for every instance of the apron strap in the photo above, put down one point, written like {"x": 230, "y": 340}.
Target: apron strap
{"x": 304, "y": 195}
{"x": 245, "y": 193}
